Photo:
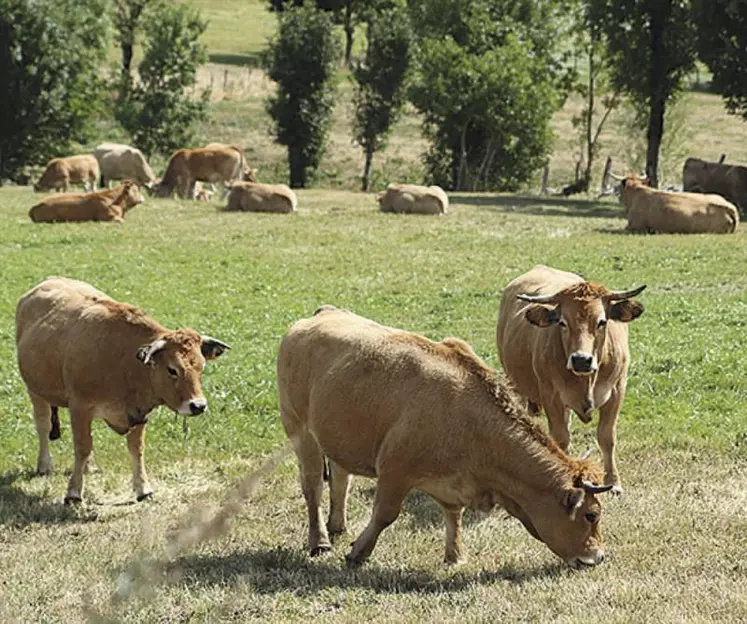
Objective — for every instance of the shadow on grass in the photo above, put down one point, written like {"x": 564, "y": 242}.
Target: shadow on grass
{"x": 19, "y": 508}
{"x": 540, "y": 205}
{"x": 250, "y": 59}
{"x": 282, "y": 569}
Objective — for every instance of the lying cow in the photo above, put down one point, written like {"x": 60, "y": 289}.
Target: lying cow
{"x": 80, "y": 349}
{"x": 389, "y": 404}
{"x": 563, "y": 342}
{"x": 413, "y": 199}
{"x": 187, "y": 166}
{"x": 729, "y": 181}
{"x": 62, "y": 172}
{"x": 670, "y": 212}
{"x": 256, "y": 197}
{"x": 122, "y": 162}
{"x": 110, "y": 205}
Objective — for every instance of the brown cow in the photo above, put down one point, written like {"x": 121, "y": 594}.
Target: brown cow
{"x": 413, "y": 199}
{"x": 108, "y": 205}
{"x": 122, "y": 162}
{"x": 256, "y": 197}
{"x": 674, "y": 212}
{"x": 729, "y": 181}
{"x": 563, "y": 342}
{"x": 390, "y": 404}
{"x": 80, "y": 349}
{"x": 62, "y": 172}
{"x": 187, "y": 166}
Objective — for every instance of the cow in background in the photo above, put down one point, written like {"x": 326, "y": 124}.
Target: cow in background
{"x": 122, "y": 162}
{"x": 109, "y": 205}
{"x": 729, "y": 181}
{"x": 413, "y": 199}
{"x": 62, "y": 172}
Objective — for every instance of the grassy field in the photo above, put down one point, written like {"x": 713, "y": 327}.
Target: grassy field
{"x": 676, "y": 540}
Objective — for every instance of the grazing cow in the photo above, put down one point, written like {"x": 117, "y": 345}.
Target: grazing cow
{"x": 390, "y": 404}
{"x": 122, "y": 162}
{"x": 413, "y": 199}
{"x": 256, "y": 197}
{"x": 729, "y": 181}
{"x": 62, "y": 172}
{"x": 110, "y": 205}
{"x": 670, "y": 212}
{"x": 250, "y": 174}
{"x": 80, "y": 349}
{"x": 563, "y": 342}
{"x": 187, "y": 166}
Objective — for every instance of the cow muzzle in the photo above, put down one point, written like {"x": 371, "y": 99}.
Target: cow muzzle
{"x": 193, "y": 407}
{"x": 587, "y": 561}
{"x": 580, "y": 363}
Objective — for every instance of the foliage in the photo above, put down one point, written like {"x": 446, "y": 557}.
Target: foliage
{"x": 487, "y": 83}
{"x": 126, "y": 18}
{"x": 302, "y": 59}
{"x": 722, "y": 45}
{"x": 651, "y": 50}
{"x": 380, "y": 82}
{"x": 50, "y": 54}
{"x": 160, "y": 114}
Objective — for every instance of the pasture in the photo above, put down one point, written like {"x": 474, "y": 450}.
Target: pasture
{"x": 675, "y": 541}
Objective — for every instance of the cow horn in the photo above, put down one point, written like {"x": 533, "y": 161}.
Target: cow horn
{"x": 145, "y": 353}
{"x": 212, "y": 348}
{"x": 593, "y": 488}
{"x": 587, "y": 453}
{"x": 616, "y": 177}
{"x": 536, "y": 298}
{"x": 619, "y": 295}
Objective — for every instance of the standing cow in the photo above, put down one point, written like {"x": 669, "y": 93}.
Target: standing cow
{"x": 62, "y": 172}
{"x": 80, "y": 349}
{"x": 413, "y": 413}
{"x": 563, "y": 341}
{"x": 122, "y": 162}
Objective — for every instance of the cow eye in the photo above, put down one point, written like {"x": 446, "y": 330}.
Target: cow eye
{"x": 602, "y": 322}
{"x": 591, "y": 517}
{"x": 173, "y": 372}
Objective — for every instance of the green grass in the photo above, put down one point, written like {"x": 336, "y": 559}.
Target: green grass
{"x": 676, "y": 539}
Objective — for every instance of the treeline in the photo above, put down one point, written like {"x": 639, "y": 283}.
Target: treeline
{"x": 485, "y": 75}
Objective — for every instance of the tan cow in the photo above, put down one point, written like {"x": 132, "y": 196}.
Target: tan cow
{"x": 250, "y": 174}
{"x": 80, "y": 349}
{"x": 729, "y": 181}
{"x": 413, "y": 199}
{"x": 62, "y": 172}
{"x": 674, "y": 212}
{"x": 256, "y": 197}
{"x": 122, "y": 162}
{"x": 187, "y": 166}
{"x": 110, "y": 205}
{"x": 416, "y": 414}
{"x": 563, "y": 342}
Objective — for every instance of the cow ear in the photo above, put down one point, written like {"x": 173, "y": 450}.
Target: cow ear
{"x": 542, "y": 315}
{"x": 146, "y": 352}
{"x": 572, "y": 500}
{"x": 625, "y": 311}
{"x": 212, "y": 347}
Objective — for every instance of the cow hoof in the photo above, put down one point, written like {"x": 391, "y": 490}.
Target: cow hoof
{"x": 73, "y": 500}
{"x": 144, "y": 496}
{"x": 353, "y": 562}
{"x": 320, "y": 550}
{"x": 617, "y": 490}
{"x": 335, "y": 533}
{"x": 44, "y": 472}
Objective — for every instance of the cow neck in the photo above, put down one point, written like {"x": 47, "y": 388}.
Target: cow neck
{"x": 140, "y": 397}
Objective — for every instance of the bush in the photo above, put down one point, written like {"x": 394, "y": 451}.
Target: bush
{"x": 159, "y": 113}
{"x": 50, "y": 54}
{"x": 302, "y": 59}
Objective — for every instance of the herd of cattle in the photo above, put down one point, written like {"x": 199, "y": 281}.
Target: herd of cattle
{"x": 357, "y": 397}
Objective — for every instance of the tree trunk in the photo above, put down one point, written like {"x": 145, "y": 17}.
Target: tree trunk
{"x": 367, "y": 168}
{"x": 658, "y": 100}
{"x": 126, "y": 63}
{"x": 349, "y": 27}
{"x": 297, "y": 167}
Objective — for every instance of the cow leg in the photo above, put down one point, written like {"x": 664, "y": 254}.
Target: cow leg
{"x": 607, "y": 436}
{"x": 80, "y": 423}
{"x": 390, "y": 492}
{"x": 136, "y": 447}
{"x": 558, "y": 418}
{"x": 339, "y": 485}
{"x": 43, "y": 418}
{"x": 453, "y": 517}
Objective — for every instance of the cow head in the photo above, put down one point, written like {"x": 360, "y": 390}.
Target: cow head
{"x": 176, "y": 361}
{"x": 128, "y": 196}
{"x": 580, "y": 314}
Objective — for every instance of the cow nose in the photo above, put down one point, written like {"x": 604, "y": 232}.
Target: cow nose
{"x": 197, "y": 406}
{"x": 581, "y": 362}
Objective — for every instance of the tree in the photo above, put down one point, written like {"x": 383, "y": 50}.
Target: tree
{"x": 127, "y": 15}
{"x": 159, "y": 113}
{"x": 722, "y": 46}
{"x": 302, "y": 59}
{"x": 487, "y": 81}
{"x": 380, "y": 82}
{"x": 50, "y": 54}
{"x": 651, "y": 50}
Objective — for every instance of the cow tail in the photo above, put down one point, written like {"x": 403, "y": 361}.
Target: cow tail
{"x": 54, "y": 432}
{"x": 325, "y": 472}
